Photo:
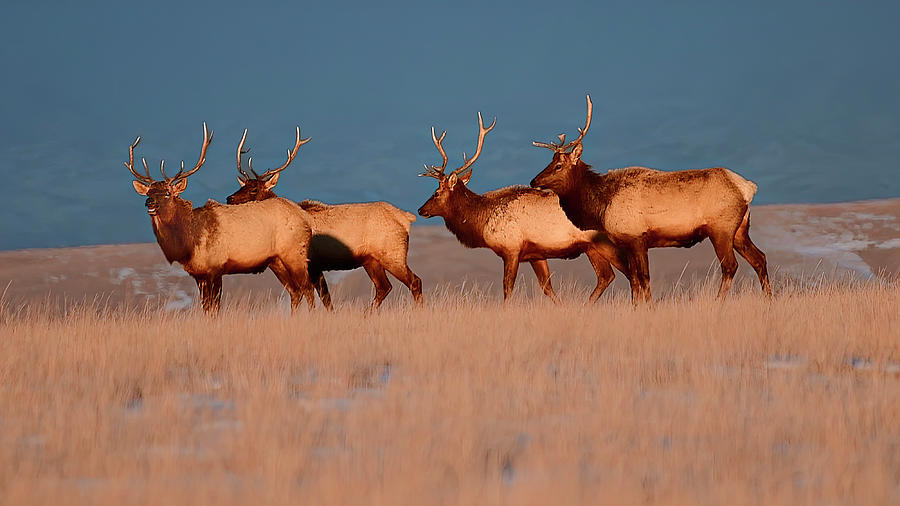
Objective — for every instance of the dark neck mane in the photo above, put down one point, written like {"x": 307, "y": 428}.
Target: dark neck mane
{"x": 585, "y": 203}
{"x": 468, "y": 215}
{"x": 177, "y": 237}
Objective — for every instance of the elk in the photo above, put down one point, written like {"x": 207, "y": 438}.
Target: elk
{"x": 218, "y": 239}
{"x": 640, "y": 208}
{"x": 518, "y": 223}
{"x": 371, "y": 235}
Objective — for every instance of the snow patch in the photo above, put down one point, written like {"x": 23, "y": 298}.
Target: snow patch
{"x": 893, "y": 243}
{"x": 120, "y": 275}
{"x": 180, "y": 300}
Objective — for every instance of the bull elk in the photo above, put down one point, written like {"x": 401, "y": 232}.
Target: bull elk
{"x": 218, "y": 239}
{"x": 640, "y": 208}
{"x": 371, "y": 235}
{"x": 518, "y": 223}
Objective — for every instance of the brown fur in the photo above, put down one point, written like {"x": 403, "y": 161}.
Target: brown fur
{"x": 372, "y": 235}
{"x": 640, "y": 208}
{"x": 520, "y": 224}
{"x": 216, "y": 239}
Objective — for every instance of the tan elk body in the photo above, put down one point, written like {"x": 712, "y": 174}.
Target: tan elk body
{"x": 640, "y": 208}
{"x": 217, "y": 239}
{"x": 371, "y": 235}
{"x": 518, "y": 223}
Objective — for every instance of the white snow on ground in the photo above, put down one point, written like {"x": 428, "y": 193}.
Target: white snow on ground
{"x": 121, "y": 274}
{"x": 834, "y": 239}
{"x": 179, "y": 300}
{"x": 335, "y": 277}
{"x": 893, "y": 243}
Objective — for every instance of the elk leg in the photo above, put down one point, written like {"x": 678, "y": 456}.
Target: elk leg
{"x": 752, "y": 254}
{"x": 281, "y": 272}
{"x": 542, "y": 271}
{"x": 318, "y": 278}
{"x": 215, "y": 292}
{"x": 201, "y": 287}
{"x": 510, "y": 270}
{"x": 640, "y": 267}
{"x": 605, "y": 274}
{"x": 380, "y": 280}
{"x": 206, "y": 286}
{"x": 301, "y": 279}
{"x": 724, "y": 246}
{"x": 408, "y": 278}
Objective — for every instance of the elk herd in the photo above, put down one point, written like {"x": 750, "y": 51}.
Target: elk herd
{"x": 568, "y": 210}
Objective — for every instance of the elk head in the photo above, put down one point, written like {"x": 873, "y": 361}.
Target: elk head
{"x": 259, "y": 186}
{"x": 448, "y": 184}
{"x": 562, "y": 173}
{"x": 163, "y": 196}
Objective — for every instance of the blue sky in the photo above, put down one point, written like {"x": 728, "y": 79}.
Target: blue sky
{"x": 801, "y": 97}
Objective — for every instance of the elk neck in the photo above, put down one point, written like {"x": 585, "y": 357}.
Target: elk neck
{"x": 177, "y": 235}
{"x": 586, "y": 198}
{"x": 468, "y": 216}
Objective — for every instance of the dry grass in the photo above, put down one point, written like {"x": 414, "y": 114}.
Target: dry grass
{"x": 466, "y": 401}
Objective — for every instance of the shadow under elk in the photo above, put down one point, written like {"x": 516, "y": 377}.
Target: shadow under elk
{"x": 218, "y": 239}
{"x": 518, "y": 223}
{"x": 371, "y": 235}
{"x": 640, "y": 208}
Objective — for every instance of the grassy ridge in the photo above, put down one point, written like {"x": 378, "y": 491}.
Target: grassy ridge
{"x": 465, "y": 401}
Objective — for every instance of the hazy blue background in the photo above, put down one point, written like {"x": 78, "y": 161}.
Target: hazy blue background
{"x": 803, "y": 98}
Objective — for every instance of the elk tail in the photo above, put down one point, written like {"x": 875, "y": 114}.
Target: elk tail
{"x": 745, "y": 186}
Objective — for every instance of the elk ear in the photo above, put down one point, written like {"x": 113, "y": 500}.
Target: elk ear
{"x": 179, "y": 187}
{"x": 241, "y": 181}
{"x": 576, "y": 153}
{"x": 272, "y": 181}
{"x": 451, "y": 181}
{"x": 140, "y": 187}
{"x": 466, "y": 176}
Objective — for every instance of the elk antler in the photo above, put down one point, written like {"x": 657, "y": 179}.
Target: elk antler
{"x": 267, "y": 175}
{"x": 207, "y": 138}
{"x": 241, "y": 151}
{"x": 130, "y": 164}
{"x": 433, "y": 170}
{"x": 481, "y": 133}
{"x": 562, "y": 147}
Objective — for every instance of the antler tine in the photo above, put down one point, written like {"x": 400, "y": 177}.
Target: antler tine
{"x": 291, "y": 154}
{"x": 439, "y": 144}
{"x": 240, "y": 151}
{"x": 562, "y": 147}
{"x": 581, "y": 131}
{"x": 433, "y": 170}
{"x": 548, "y": 145}
{"x": 162, "y": 169}
{"x": 207, "y": 138}
{"x": 481, "y": 133}
{"x": 130, "y": 164}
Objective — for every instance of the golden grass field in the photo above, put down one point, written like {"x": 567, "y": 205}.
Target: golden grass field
{"x": 465, "y": 401}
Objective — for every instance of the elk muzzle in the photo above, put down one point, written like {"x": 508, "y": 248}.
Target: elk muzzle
{"x": 152, "y": 206}
{"x": 426, "y": 210}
